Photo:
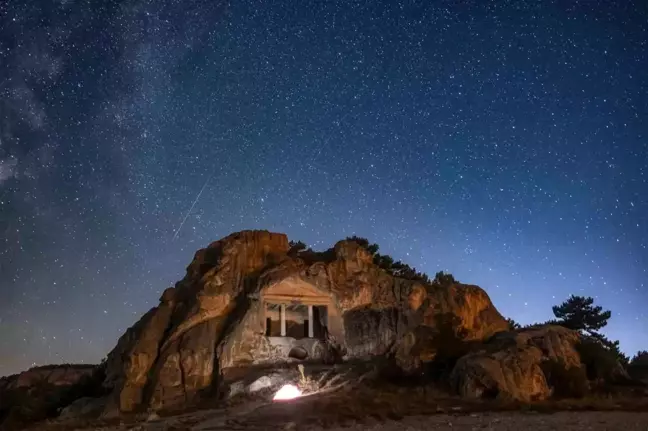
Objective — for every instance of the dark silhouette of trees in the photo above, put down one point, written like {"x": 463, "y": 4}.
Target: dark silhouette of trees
{"x": 386, "y": 262}
{"x": 609, "y": 345}
{"x": 296, "y": 247}
{"x": 580, "y": 314}
{"x": 566, "y": 381}
{"x": 513, "y": 324}
{"x": 638, "y": 367}
{"x": 640, "y": 359}
{"x": 364, "y": 243}
{"x": 443, "y": 279}
{"x": 602, "y": 360}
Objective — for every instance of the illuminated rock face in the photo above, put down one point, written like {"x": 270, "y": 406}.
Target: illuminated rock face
{"x": 510, "y": 366}
{"x": 246, "y": 300}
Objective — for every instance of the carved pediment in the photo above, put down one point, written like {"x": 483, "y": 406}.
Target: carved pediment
{"x": 294, "y": 288}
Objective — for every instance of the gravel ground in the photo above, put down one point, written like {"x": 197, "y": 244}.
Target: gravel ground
{"x": 561, "y": 421}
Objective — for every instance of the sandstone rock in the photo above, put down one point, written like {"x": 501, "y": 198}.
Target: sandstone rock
{"x": 152, "y": 417}
{"x": 474, "y": 309}
{"x": 56, "y": 375}
{"x": 85, "y": 407}
{"x": 509, "y": 366}
{"x": 235, "y": 389}
{"x": 129, "y": 364}
{"x": 261, "y": 383}
{"x": 555, "y": 342}
{"x": 298, "y": 352}
{"x": 40, "y": 392}
{"x": 216, "y": 319}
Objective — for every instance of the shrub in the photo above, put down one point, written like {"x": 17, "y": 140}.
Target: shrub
{"x": 640, "y": 359}
{"x": 443, "y": 279}
{"x": 638, "y": 367}
{"x": 513, "y": 325}
{"x": 296, "y": 247}
{"x": 364, "y": 243}
{"x": 567, "y": 382}
{"x": 386, "y": 262}
{"x": 600, "y": 362}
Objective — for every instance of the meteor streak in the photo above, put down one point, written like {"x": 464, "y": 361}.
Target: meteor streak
{"x": 175, "y": 235}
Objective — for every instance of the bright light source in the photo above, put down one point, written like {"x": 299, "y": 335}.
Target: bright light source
{"x": 287, "y": 392}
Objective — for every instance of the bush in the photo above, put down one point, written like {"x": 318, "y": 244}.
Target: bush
{"x": 386, "y": 262}
{"x": 567, "y": 382}
{"x": 600, "y": 362}
{"x": 296, "y": 248}
{"x": 364, "y": 243}
{"x": 513, "y": 325}
{"x": 443, "y": 279}
{"x": 638, "y": 367}
{"x": 640, "y": 359}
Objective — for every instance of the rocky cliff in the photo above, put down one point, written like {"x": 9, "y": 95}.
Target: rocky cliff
{"x": 37, "y": 393}
{"x": 209, "y": 322}
{"x": 55, "y": 375}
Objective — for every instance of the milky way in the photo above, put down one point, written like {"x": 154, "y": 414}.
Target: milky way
{"x": 505, "y": 142}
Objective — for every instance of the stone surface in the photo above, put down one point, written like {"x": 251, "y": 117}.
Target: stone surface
{"x": 259, "y": 384}
{"x": 213, "y": 320}
{"x": 57, "y": 375}
{"x": 509, "y": 366}
{"x": 490, "y": 421}
{"x": 255, "y": 418}
{"x": 39, "y": 392}
{"x": 85, "y": 407}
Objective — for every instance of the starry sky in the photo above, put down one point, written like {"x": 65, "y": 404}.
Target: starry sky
{"x": 505, "y": 142}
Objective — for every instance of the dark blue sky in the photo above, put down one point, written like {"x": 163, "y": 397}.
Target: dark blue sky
{"x": 505, "y": 142}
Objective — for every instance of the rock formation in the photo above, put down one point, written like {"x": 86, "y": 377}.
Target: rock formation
{"x": 224, "y": 315}
{"x": 55, "y": 375}
{"x": 510, "y": 365}
{"x": 250, "y": 303}
{"x": 34, "y": 394}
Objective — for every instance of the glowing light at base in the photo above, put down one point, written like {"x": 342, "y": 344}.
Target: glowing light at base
{"x": 287, "y": 392}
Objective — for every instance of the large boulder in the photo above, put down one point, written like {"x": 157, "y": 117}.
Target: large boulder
{"x": 83, "y": 408}
{"x": 510, "y": 365}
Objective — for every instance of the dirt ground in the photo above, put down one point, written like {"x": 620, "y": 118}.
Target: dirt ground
{"x": 386, "y": 409}
{"x": 504, "y": 421}
{"x": 564, "y": 421}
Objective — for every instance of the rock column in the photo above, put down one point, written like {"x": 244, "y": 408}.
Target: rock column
{"x": 310, "y": 322}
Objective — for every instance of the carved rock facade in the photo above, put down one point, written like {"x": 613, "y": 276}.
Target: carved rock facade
{"x": 246, "y": 300}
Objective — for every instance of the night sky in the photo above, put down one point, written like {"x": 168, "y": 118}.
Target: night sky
{"x": 505, "y": 142}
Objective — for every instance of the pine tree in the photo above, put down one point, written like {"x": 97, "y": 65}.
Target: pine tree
{"x": 513, "y": 324}
{"x": 296, "y": 247}
{"x": 640, "y": 359}
{"x": 580, "y": 314}
{"x": 443, "y": 279}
